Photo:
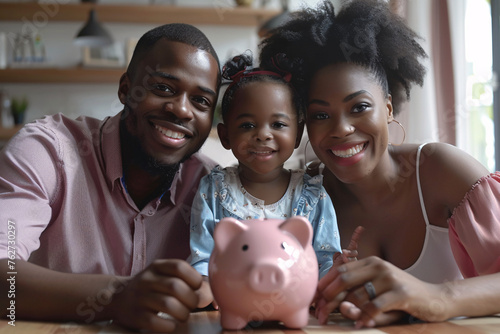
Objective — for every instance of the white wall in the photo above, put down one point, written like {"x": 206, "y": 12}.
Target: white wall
{"x": 101, "y": 100}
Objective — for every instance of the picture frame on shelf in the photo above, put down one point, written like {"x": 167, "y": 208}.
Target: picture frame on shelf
{"x": 104, "y": 57}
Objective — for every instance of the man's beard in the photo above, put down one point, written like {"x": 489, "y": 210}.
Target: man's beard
{"x": 134, "y": 153}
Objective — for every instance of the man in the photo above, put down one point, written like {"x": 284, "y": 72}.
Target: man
{"x": 95, "y": 214}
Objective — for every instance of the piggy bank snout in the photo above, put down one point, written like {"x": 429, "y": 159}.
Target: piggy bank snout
{"x": 267, "y": 277}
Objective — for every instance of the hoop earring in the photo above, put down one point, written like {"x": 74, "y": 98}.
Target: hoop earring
{"x": 404, "y": 133}
{"x": 305, "y": 153}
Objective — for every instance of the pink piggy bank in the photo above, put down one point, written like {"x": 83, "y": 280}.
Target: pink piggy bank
{"x": 263, "y": 270}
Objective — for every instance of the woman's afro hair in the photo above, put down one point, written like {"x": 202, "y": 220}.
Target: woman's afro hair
{"x": 364, "y": 32}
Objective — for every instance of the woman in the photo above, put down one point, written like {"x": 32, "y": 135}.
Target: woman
{"x": 430, "y": 212}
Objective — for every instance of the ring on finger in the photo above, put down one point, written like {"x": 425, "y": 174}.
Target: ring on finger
{"x": 370, "y": 289}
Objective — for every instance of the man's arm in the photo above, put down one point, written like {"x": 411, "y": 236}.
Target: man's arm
{"x": 167, "y": 286}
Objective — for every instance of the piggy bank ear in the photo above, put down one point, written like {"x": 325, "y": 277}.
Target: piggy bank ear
{"x": 226, "y": 230}
{"x": 300, "y": 228}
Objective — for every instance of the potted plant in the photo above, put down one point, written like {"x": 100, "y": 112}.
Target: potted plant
{"x": 18, "y": 108}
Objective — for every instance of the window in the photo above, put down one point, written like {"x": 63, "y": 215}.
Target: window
{"x": 480, "y": 81}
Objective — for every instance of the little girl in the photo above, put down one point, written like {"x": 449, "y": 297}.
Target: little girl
{"x": 262, "y": 126}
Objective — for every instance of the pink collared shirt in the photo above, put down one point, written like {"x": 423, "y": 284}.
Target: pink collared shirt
{"x": 61, "y": 192}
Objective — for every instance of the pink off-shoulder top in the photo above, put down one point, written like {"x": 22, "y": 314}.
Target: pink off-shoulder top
{"x": 474, "y": 228}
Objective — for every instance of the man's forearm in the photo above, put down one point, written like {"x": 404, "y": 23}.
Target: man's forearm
{"x": 38, "y": 293}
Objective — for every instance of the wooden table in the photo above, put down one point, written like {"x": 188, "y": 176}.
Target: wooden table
{"x": 208, "y": 323}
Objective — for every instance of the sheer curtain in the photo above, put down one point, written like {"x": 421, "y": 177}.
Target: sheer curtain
{"x": 431, "y": 114}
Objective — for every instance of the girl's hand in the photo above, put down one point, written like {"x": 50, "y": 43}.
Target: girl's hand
{"x": 347, "y": 255}
{"x": 351, "y": 253}
{"x": 393, "y": 290}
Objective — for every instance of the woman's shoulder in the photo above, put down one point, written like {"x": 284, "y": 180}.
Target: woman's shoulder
{"x": 450, "y": 161}
{"x": 440, "y": 160}
{"x": 447, "y": 171}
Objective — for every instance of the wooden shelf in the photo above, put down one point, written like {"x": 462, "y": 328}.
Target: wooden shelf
{"x": 157, "y": 14}
{"x": 61, "y": 75}
{"x": 7, "y": 133}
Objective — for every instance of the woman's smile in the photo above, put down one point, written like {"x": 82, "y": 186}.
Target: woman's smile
{"x": 348, "y": 156}
{"x": 349, "y": 152}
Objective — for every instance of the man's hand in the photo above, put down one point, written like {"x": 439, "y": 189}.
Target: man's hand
{"x": 206, "y": 296}
{"x": 166, "y": 286}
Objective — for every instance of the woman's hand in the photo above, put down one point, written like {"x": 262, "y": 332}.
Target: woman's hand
{"x": 393, "y": 289}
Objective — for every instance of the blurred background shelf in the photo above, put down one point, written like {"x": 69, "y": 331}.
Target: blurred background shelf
{"x": 159, "y": 14}
{"x": 61, "y": 75}
{"x": 219, "y": 15}
{"x": 62, "y": 85}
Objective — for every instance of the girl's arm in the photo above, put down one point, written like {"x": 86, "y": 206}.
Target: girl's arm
{"x": 326, "y": 238}
{"x": 203, "y": 219}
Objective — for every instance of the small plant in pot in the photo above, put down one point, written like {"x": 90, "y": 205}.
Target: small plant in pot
{"x": 18, "y": 108}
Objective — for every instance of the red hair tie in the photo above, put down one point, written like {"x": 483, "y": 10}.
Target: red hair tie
{"x": 245, "y": 73}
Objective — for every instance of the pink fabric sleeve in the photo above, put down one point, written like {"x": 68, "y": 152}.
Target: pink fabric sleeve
{"x": 474, "y": 228}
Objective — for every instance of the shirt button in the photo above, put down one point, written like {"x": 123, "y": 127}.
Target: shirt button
{"x": 150, "y": 212}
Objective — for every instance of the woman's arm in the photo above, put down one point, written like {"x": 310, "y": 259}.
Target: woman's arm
{"x": 396, "y": 290}
{"x": 448, "y": 175}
